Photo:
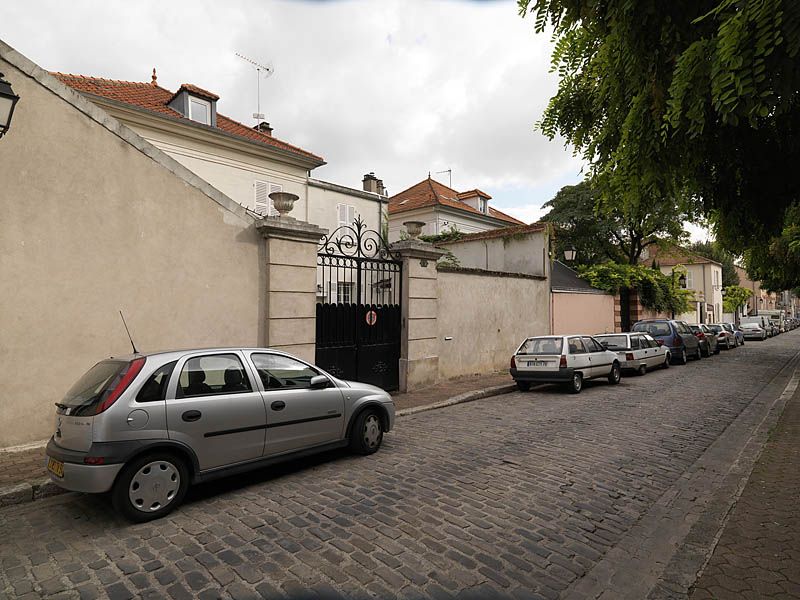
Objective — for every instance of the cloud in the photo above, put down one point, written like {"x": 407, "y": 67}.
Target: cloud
{"x": 400, "y": 88}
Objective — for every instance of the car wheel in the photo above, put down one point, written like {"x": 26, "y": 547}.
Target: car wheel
{"x": 615, "y": 375}
{"x": 716, "y": 350}
{"x": 642, "y": 370}
{"x": 707, "y": 353}
{"x": 367, "y": 433}
{"x": 699, "y": 354}
{"x": 576, "y": 384}
{"x": 150, "y": 487}
{"x": 667, "y": 359}
{"x": 683, "y": 358}
{"x": 523, "y": 386}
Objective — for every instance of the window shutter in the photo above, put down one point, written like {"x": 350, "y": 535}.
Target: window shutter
{"x": 263, "y": 203}
{"x": 351, "y": 214}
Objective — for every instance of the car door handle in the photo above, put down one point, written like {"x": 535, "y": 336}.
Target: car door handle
{"x": 191, "y": 415}
{"x": 278, "y": 405}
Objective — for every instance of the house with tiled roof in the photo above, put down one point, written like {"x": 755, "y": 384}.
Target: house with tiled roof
{"x": 701, "y": 275}
{"x": 243, "y": 162}
{"x": 443, "y": 209}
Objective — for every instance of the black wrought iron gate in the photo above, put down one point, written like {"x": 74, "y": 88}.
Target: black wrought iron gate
{"x": 358, "y": 306}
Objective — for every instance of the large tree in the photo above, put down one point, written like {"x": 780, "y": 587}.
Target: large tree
{"x": 615, "y": 232}
{"x": 691, "y": 99}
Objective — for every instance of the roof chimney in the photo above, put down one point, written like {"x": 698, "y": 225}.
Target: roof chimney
{"x": 370, "y": 183}
{"x": 381, "y": 188}
{"x": 264, "y": 127}
{"x": 154, "y": 79}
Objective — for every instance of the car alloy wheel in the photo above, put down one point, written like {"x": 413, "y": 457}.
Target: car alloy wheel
{"x": 615, "y": 375}
{"x": 684, "y": 358}
{"x": 576, "y": 384}
{"x": 642, "y": 370}
{"x": 667, "y": 360}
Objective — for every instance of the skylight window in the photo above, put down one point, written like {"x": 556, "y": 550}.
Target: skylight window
{"x": 200, "y": 110}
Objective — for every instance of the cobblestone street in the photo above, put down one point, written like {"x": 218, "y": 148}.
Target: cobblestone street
{"x": 521, "y": 495}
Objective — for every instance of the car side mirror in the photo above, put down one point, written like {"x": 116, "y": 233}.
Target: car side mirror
{"x": 319, "y": 382}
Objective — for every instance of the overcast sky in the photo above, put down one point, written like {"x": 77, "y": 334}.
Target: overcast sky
{"x": 400, "y": 88}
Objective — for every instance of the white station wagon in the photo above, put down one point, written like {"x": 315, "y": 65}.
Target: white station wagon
{"x": 567, "y": 359}
{"x": 636, "y": 351}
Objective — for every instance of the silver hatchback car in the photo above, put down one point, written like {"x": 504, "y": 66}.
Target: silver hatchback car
{"x": 145, "y": 426}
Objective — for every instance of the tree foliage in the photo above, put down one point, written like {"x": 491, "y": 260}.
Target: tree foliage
{"x": 618, "y": 233}
{"x": 715, "y": 251}
{"x": 657, "y": 291}
{"x": 695, "y": 100}
{"x": 735, "y": 296}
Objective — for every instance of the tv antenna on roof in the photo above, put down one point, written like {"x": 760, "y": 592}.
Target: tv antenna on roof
{"x": 450, "y": 177}
{"x": 266, "y": 71}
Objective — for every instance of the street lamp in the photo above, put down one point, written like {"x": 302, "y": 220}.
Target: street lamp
{"x": 682, "y": 280}
{"x": 569, "y": 254}
{"x": 8, "y": 100}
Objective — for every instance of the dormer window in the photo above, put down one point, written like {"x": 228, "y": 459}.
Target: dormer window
{"x": 484, "y": 207}
{"x": 200, "y": 110}
{"x": 196, "y": 104}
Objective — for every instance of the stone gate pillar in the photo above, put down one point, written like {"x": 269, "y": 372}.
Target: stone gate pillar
{"x": 419, "y": 335}
{"x": 291, "y": 282}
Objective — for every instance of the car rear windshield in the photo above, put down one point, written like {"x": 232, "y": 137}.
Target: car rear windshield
{"x": 90, "y": 389}
{"x": 695, "y": 328}
{"x": 614, "y": 342}
{"x": 749, "y": 326}
{"x": 656, "y": 328}
{"x": 715, "y": 328}
{"x": 541, "y": 346}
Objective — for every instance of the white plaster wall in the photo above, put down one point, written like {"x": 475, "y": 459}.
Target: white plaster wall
{"x": 323, "y": 212}
{"x": 436, "y": 222}
{"x": 487, "y": 317}
{"x": 525, "y": 254}
{"x": 233, "y": 173}
{"x": 92, "y": 225}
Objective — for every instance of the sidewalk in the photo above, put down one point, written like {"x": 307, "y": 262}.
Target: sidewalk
{"x": 23, "y": 476}
{"x": 758, "y": 553}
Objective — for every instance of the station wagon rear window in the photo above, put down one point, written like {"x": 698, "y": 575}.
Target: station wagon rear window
{"x": 541, "y": 346}
{"x": 657, "y": 329}
{"x": 614, "y": 342}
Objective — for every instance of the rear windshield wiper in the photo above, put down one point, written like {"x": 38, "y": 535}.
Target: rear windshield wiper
{"x": 61, "y": 406}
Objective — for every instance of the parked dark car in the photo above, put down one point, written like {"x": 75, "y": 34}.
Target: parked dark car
{"x": 707, "y": 337}
{"x": 673, "y": 334}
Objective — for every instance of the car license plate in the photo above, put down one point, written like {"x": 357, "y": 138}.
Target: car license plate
{"x": 537, "y": 363}
{"x": 56, "y": 467}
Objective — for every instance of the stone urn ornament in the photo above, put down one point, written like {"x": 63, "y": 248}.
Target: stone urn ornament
{"x": 283, "y": 202}
{"x": 414, "y": 228}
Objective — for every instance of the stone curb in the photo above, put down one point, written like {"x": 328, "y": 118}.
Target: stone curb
{"x": 28, "y": 492}
{"x": 496, "y": 390}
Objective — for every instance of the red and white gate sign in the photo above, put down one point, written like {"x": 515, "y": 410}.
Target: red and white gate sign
{"x": 371, "y": 317}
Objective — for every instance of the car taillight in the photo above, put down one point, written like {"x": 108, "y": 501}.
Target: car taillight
{"x": 629, "y": 356}
{"x": 679, "y": 341}
{"x": 562, "y": 364}
{"x": 513, "y": 362}
{"x": 660, "y": 342}
{"x": 121, "y": 384}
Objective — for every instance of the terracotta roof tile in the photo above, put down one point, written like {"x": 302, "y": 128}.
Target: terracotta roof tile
{"x": 197, "y": 90}
{"x": 475, "y": 192}
{"x": 430, "y": 192}
{"x": 155, "y": 99}
{"x": 670, "y": 257}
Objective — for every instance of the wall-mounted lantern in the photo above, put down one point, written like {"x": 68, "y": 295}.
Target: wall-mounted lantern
{"x": 8, "y": 100}
{"x": 569, "y": 254}
{"x": 682, "y": 280}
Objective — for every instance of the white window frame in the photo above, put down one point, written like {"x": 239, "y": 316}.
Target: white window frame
{"x": 206, "y": 103}
{"x": 483, "y": 203}
{"x": 344, "y": 292}
{"x": 349, "y": 214}
{"x": 689, "y": 280}
{"x": 262, "y": 203}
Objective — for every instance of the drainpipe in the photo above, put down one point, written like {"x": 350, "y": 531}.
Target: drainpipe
{"x": 486, "y": 254}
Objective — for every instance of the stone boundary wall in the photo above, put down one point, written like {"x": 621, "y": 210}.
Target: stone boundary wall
{"x": 483, "y": 317}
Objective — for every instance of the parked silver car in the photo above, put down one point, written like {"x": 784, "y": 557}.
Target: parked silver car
{"x": 145, "y": 426}
{"x": 636, "y": 351}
